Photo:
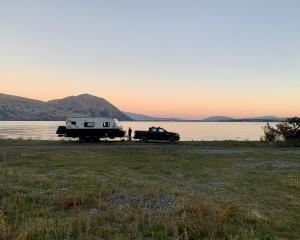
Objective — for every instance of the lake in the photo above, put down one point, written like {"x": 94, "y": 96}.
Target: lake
{"x": 45, "y": 130}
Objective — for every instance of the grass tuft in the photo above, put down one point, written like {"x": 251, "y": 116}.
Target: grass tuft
{"x": 291, "y": 182}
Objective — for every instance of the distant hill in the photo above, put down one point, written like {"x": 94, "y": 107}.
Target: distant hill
{"x": 142, "y": 117}
{"x": 268, "y": 118}
{"x": 218, "y": 119}
{"x": 19, "y": 108}
{"x": 85, "y": 105}
{"x": 258, "y": 119}
{"x": 252, "y": 119}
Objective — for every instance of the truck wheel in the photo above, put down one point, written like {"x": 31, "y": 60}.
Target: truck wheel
{"x": 144, "y": 139}
{"x": 172, "y": 140}
{"x": 82, "y": 139}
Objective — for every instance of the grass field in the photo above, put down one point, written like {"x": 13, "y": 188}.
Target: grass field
{"x": 189, "y": 190}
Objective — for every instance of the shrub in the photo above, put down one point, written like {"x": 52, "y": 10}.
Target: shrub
{"x": 288, "y": 129}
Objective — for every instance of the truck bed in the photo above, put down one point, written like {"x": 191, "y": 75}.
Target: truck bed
{"x": 140, "y": 134}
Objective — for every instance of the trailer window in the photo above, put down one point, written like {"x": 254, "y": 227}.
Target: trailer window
{"x": 106, "y": 124}
{"x": 89, "y": 124}
{"x": 73, "y": 123}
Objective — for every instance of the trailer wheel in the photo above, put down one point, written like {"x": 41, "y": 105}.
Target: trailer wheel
{"x": 95, "y": 139}
{"x": 82, "y": 139}
{"x": 144, "y": 139}
{"x": 172, "y": 140}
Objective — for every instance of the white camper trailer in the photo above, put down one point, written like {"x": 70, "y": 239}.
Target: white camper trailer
{"x": 91, "y": 129}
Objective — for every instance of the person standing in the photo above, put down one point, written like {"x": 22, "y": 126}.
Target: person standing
{"x": 129, "y": 133}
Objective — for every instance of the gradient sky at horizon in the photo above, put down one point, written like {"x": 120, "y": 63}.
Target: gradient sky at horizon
{"x": 167, "y": 58}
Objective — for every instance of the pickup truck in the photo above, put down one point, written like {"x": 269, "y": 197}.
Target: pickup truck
{"x": 156, "y": 134}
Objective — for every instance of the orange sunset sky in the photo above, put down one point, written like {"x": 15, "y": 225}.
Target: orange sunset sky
{"x": 170, "y": 59}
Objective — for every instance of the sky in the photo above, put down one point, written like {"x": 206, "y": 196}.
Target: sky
{"x": 166, "y": 58}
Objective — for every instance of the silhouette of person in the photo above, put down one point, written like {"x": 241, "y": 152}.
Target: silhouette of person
{"x": 129, "y": 133}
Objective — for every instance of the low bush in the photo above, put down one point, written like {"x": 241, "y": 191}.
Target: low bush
{"x": 288, "y": 130}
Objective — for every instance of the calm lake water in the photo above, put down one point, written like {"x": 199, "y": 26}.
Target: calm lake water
{"x": 187, "y": 130}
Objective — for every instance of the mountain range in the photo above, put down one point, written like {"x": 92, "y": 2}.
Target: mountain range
{"x": 253, "y": 119}
{"x": 85, "y": 105}
{"x": 14, "y": 108}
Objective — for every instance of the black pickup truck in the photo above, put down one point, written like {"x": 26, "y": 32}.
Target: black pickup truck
{"x": 156, "y": 134}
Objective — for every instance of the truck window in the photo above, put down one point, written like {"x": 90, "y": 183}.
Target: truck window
{"x": 153, "y": 129}
{"x": 89, "y": 124}
{"x": 73, "y": 123}
{"x": 106, "y": 124}
{"x": 161, "y": 130}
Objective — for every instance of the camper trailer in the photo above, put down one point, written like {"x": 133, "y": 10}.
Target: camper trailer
{"x": 91, "y": 129}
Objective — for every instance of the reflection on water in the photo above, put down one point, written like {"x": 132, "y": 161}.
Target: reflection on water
{"x": 187, "y": 130}
{"x": 29, "y": 130}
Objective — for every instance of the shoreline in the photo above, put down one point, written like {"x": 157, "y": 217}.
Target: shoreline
{"x": 116, "y": 143}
